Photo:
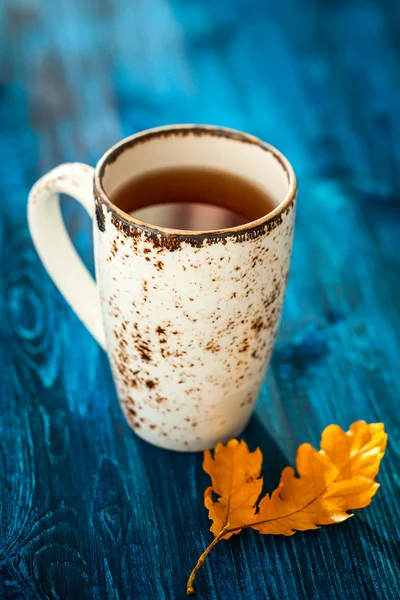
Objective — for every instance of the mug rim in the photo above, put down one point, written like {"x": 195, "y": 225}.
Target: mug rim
{"x": 186, "y": 129}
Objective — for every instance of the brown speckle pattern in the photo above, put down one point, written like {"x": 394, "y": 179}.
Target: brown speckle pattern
{"x": 191, "y": 330}
{"x": 190, "y": 319}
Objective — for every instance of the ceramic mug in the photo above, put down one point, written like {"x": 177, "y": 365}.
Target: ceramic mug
{"x": 188, "y": 318}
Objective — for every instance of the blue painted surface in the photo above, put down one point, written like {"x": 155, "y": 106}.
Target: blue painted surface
{"x": 87, "y": 510}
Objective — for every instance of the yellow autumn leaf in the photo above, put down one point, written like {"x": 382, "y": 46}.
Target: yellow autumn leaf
{"x": 235, "y": 476}
{"x": 332, "y": 481}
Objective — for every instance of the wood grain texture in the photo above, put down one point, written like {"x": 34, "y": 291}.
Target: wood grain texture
{"x": 87, "y": 510}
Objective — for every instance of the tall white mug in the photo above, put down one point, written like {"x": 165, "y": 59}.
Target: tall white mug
{"x": 188, "y": 318}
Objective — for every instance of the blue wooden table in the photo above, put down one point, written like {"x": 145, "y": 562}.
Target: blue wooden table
{"x": 87, "y": 510}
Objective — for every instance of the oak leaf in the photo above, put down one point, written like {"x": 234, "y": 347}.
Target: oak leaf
{"x": 332, "y": 481}
{"x": 338, "y": 478}
{"x": 235, "y": 476}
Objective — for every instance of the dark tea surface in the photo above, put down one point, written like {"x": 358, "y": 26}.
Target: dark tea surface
{"x": 193, "y": 199}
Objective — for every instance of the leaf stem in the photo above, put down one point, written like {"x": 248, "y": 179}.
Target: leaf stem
{"x": 189, "y": 587}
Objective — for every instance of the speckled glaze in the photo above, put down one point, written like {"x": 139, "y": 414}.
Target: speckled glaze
{"x": 190, "y": 318}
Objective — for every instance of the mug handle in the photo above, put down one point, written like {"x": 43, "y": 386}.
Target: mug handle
{"x": 54, "y": 245}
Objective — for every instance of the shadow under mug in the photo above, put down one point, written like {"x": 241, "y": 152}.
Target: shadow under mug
{"x": 188, "y": 318}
